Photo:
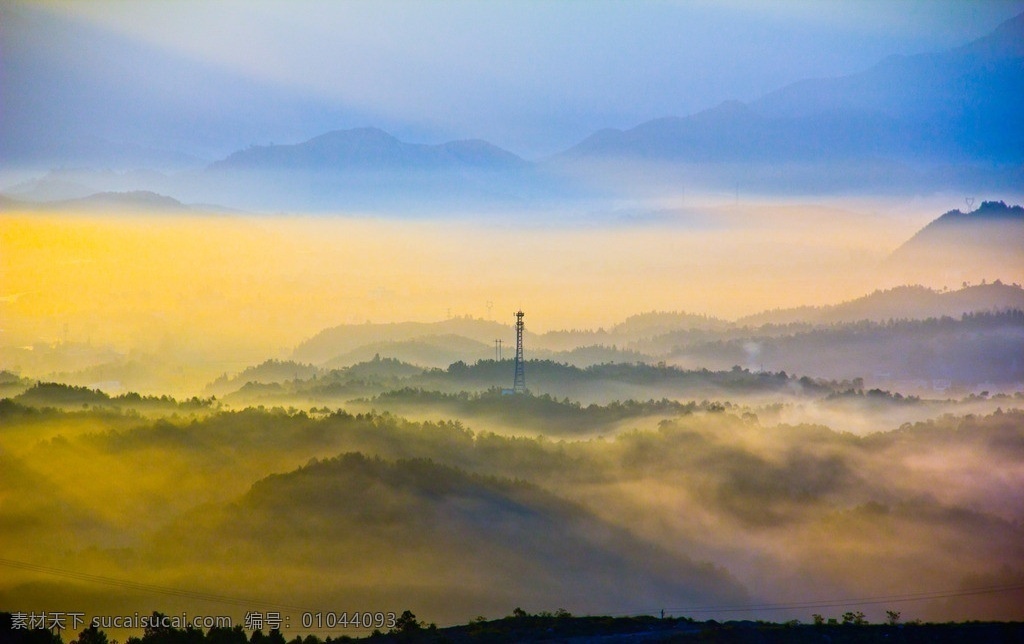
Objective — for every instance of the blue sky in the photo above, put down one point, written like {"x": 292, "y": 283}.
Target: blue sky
{"x": 534, "y": 77}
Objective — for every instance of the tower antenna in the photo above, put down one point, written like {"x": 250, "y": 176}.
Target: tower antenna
{"x": 519, "y": 382}
{"x": 970, "y": 203}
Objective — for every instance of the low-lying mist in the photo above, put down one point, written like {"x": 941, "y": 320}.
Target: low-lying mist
{"x": 710, "y": 508}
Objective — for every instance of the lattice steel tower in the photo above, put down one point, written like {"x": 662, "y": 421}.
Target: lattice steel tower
{"x": 519, "y": 384}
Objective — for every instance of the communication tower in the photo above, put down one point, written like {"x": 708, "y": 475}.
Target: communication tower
{"x": 519, "y": 383}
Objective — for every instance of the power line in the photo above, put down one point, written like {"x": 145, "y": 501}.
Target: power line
{"x": 854, "y": 601}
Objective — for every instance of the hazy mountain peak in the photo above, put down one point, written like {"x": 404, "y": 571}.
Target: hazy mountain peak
{"x": 1005, "y": 41}
{"x": 368, "y": 148}
{"x": 961, "y": 247}
{"x": 957, "y": 106}
{"x": 987, "y": 212}
{"x": 354, "y": 135}
{"x": 481, "y": 153}
{"x": 728, "y": 108}
{"x": 141, "y": 200}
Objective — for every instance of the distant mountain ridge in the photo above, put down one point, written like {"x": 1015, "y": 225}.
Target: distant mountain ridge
{"x": 988, "y": 212}
{"x": 343, "y": 339}
{"x": 902, "y": 302}
{"x": 970, "y": 349}
{"x": 133, "y": 200}
{"x": 369, "y": 169}
{"x": 936, "y": 121}
{"x": 953, "y": 108}
{"x": 640, "y": 337}
{"x": 130, "y": 199}
{"x": 735, "y": 132}
{"x": 428, "y": 351}
{"x": 967, "y": 79}
{"x": 370, "y": 148}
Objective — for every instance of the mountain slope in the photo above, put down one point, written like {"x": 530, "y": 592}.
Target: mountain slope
{"x": 368, "y": 169}
{"x": 437, "y": 351}
{"x": 982, "y": 227}
{"x": 345, "y": 338}
{"x": 923, "y": 120}
{"x": 966, "y": 351}
{"x": 132, "y": 200}
{"x": 734, "y": 132}
{"x": 983, "y": 244}
{"x": 902, "y": 302}
{"x": 415, "y": 527}
{"x": 968, "y": 97}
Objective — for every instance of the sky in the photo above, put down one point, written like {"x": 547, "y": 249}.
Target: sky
{"x": 533, "y": 77}
{"x": 208, "y": 78}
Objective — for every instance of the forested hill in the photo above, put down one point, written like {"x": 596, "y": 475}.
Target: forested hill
{"x": 901, "y": 303}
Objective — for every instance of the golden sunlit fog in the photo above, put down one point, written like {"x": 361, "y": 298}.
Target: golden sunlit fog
{"x": 243, "y": 287}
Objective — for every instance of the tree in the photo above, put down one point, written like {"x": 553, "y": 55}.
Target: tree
{"x": 23, "y": 635}
{"x": 275, "y": 636}
{"x": 892, "y": 617}
{"x": 406, "y": 623}
{"x": 856, "y": 619}
{"x": 225, "y": 635}
{"x": 158, "y": 629}
{"x": 92, "y": 635}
